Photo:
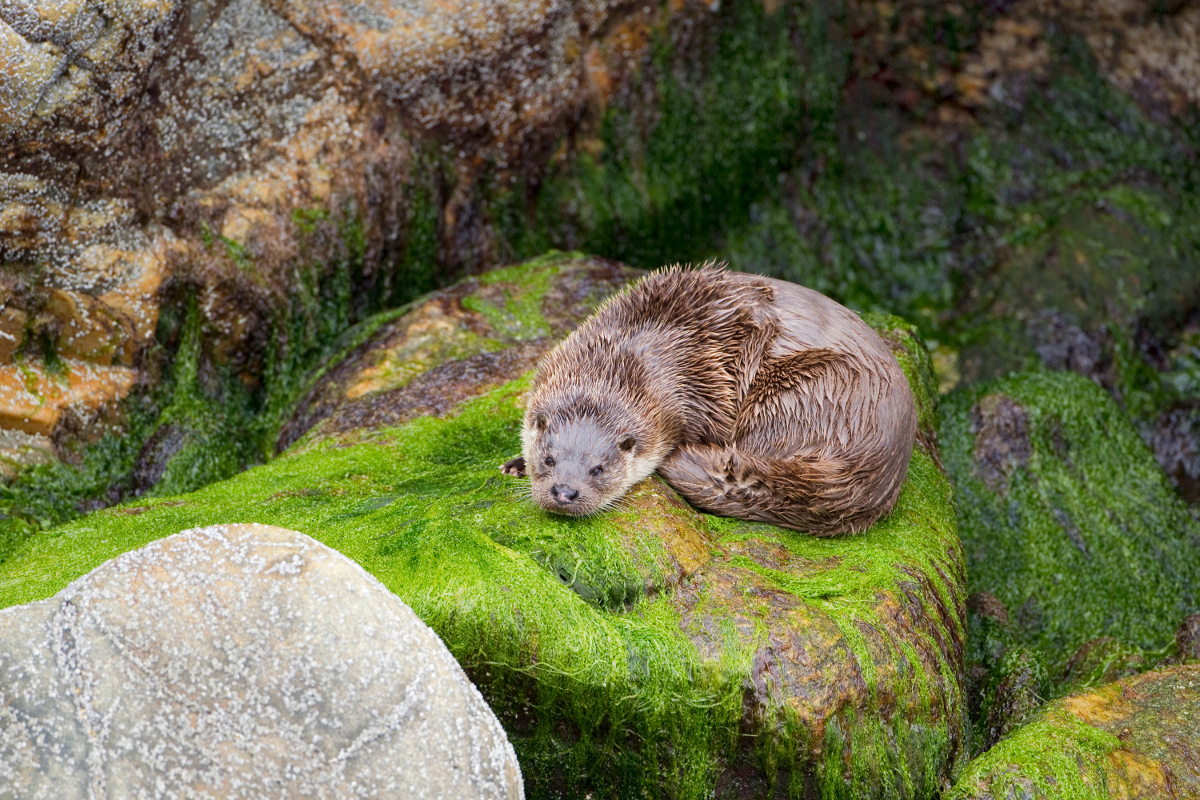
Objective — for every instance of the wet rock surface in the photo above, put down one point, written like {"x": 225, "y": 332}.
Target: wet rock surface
{"x": 1065, "y": 516}
{"x": 1176, "y": 444}
{"x": 1187, "y": 639}
{"x": 238, "y": 661}
{"x": 1132, "y": 738}
{"x": 203, "y": 204}
{"x": 650, "y": 647}
{"x": 255, "y": 154}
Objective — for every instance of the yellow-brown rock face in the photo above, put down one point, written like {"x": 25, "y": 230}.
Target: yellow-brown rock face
{"x": 158, "y": 148}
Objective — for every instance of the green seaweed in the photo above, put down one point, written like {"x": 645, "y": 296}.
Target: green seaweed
{"x": 215, "y": 443}
{"x": 1055, "y": 756}
{"x": 1087, "y": 538}
{"x": 662, "y": 190}
{"x": 1130, "y": 738}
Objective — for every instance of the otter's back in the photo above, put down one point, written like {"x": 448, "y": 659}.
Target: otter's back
{"x": 856, "y": 408}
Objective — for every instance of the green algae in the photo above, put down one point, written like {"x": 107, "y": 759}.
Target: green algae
{"x": 880, "y": 230}
{"x": 664, "y": 183}
{"x": 399, "y": 510}
{"x": 914, "y": 361}
{"x": 571, "y": 627}
{"x": 520, "y": 316}
{"x": 511, "y": 302}
{"x": 972, "y": 234}
{"x": 1086, "y": 538}
{"x": 1131, "y": 738}
{"x": 1055, "y": 755}
{"x": 227, "y": 421}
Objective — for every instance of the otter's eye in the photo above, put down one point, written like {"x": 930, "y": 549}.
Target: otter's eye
{"x": 548, "y": 461}
{"x": 596, "y": 471}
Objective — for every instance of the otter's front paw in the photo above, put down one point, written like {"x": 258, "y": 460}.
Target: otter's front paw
{"x": 516, "y": 467}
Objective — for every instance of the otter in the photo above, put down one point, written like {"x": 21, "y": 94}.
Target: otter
{"x": 753, "y": 397}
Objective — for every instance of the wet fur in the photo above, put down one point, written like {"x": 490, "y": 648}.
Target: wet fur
{"x": 754, "y": 398}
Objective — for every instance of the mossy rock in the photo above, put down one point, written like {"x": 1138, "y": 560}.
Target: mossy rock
{"x": 1065, "y": 516}
{"x": 1132, "y": 738}
{"x": 649, "y": 652}
{"x": 423, "y": 358}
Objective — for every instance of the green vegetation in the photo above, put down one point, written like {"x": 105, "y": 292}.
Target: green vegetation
{"x": 1131, "y": 738}
{"x": 751, "y": 140}
{"x": 662, "y": 184}
{"x": 1079, "y": 533}
{"x": 204, "y": 423}
{"x": 1056, "y": 756}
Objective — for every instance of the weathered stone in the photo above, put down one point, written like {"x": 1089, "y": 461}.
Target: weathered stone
{"x": 238, "y": 661}
{"x": 251, "y": 152}
{"x": 1176, "y": 445}
{"x": 33, "y": 399}
{"x": 1101, "y": 661}
{"x": 1001, "y": 429}
{"x": 1187, "y": 639}
{"x": 1145, "y": 47}
{"x": 1133, "y": 738}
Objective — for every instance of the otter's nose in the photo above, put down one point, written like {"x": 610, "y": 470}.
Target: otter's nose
{"x": 563, "y": 494}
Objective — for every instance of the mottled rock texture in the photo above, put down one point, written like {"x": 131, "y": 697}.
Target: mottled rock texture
{"x": 245, "y": 151}
{"x": 1066, "y": 517}
{"x": 1135, "y": 738}
{"x": 238, "y": 661}
{"x": 649, "y": 651}
{"x": 260, "y": 153}
{"x": 450, "y": 345}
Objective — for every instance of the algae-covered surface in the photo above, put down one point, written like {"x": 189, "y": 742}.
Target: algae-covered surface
{"x": 653, "y": 651}
{"x": 1132, "y": 738}
{"x": 1065, "y": 516}
{"x": 422, "y": 358}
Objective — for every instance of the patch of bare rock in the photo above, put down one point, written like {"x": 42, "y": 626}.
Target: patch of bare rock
{"x": 238, "y": 661}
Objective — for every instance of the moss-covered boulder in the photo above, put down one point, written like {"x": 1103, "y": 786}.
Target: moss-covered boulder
{"x": 1065, "y": 516}
{"x": 1132, "y": 738}
{"x": 425, "y": 357}
{"x": 650, "y": 652}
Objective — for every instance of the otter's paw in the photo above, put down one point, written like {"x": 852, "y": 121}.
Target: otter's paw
{"x": 516, "y": 467}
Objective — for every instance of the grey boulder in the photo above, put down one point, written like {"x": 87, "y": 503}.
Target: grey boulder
{"x": 238, "y": 661}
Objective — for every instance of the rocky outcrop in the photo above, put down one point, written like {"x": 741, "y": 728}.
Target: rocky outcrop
{"x": 650, "y": 650}
{"x": 1066, "y": 517}
{"x": 246, "y": 152}
{"x": 1132, "y": 738}
{"x": 238, "y": 661}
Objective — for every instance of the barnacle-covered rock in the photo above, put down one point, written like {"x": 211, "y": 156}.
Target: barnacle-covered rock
{"x": 258, "y": 155}
{"x": 242, "y": 661}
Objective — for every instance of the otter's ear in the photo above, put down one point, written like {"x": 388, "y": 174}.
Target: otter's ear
{"x": 541, "y": 420}
{"x": 627, "y": 442}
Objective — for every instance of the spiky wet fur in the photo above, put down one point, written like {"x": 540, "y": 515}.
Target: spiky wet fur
{"x": 754, "y": 398}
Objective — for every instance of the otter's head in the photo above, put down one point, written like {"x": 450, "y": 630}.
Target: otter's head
{"x": 579, "y": 465}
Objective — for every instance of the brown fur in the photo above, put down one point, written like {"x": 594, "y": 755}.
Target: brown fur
{"x": 754, "y": 398}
